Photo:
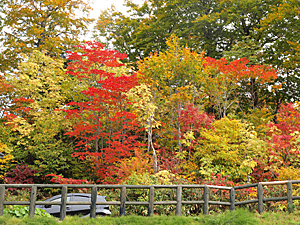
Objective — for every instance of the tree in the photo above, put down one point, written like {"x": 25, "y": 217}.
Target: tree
{"x": 281, "y": 26}
{"x": 35, "y": 127}
{"x": 5, "y": 160}
{"x": 266, "y": 29}
{"x": 220, "y": 85}
{"x": 284, "y": 137}
{"x": 148, "y": 27}
{"x": 226, "y": 149}
{"x": 145, "y": 109}
{"x": 174, "y": 80}
{"x": 103, "y": 126}
{"x": 193, "y": 122}
{"x": 40, "y": 25}
{"x": 5, "y": 92}
{"x": 210, "y": 25}
{"x": 237, "y": 83}
{"x": 2, "y": 5}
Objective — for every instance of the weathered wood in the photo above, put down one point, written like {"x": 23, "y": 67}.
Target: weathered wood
{"x": 140, "y": 186}
{"x": 136, "y": 186}
{"x": 68, "y": 203}
{"x": 17, "y": 185}
{"x": 109, "y": 203}
{"x": 246, "y": 202}
{"x": 274, "y": 182}
{"x": 137, "y": 203}
{"x": 206, "y": 199}
{"x": 2, "y": 198}
{"x": 151, "y": 201}
{"x": 16, "y": 203}
{"x": 32, "y": 201}
{"x": 191, "y": 202}
{"x": 289, "y": 192}
{"x": 192, "y": 186}
{"x": 123, "y": 201}
{"x": 78, "y": 186}
{"x": 63, "y": 207}
{"x": 93, "y": 202}
{"x": 178, "y": 200}
{"x": 218, "y": 203}
{"x": 232, "y": 199}
{"x": 260, "y": 197}
{"x": 219, "y": 187}
{"x": 165, "y": 186}
{"x": 165, "y": 203}
{"x": 275, "y": 199}
{"x": 245, "y": 186}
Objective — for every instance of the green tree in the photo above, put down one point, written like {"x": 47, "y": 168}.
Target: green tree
{"x": 210, "y": 25}
{"x": 281, "y": 28}
{"x": 147, "y": 27}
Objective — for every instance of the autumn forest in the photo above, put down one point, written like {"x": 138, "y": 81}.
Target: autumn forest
{"x": 173, "y": 91}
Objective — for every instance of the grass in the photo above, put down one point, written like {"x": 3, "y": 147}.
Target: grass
{"x": 280, "y": 218}
{"x": 237, "y": 217}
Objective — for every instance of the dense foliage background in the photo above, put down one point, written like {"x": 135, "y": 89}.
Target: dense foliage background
{"x": 199, "y": 91}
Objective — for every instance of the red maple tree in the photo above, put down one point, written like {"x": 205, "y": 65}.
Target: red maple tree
{"x": 102, "y": 125}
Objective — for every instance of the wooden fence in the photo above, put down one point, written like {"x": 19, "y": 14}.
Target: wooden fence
{"x": 123, "y": 188}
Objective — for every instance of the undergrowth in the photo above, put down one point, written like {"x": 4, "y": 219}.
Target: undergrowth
{"x": 237, "y": 217}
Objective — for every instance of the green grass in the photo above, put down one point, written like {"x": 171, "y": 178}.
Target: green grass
{"x": 280, "y": 218}
{"x": 237, "y": 217}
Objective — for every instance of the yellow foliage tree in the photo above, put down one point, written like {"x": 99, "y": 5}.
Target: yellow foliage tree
{"x": 5, "y": 159}
{"x": 145, "y": 108}
{"x": 173, "y": 77}
{"x": 50, "y": 25}
{"x": 37, "y": 129}
{"x": 227, "y": 148}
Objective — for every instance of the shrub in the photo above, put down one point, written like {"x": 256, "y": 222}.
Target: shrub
{"x": 23, "y": 211}
{"x": 22, "y": 174}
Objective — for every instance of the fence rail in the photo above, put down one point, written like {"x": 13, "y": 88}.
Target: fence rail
{"x": 123, "y": 193}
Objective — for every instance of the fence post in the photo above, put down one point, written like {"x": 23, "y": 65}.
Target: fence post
{"x": 178, "y": 199}
{"x": 232, "y": 199}
{"x": 260, "y": 196}
{"x": 151, "y": 201}
{"x": 63, "y": 206}
{"x": 32, "y": 201}
{"x": 93, "y": 201}
{"x": 123, "y": 200}
{"x": 206, "y": 199}
{"x": 2, "y": 197}
{"x": 290, "y": 196}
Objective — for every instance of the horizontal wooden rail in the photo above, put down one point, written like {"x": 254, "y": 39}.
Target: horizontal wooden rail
{"x": 245, "y": 186}
{"x": 246, "y": 202}
{"x": 192, "y": 202}
{"x": 274, "y": 182}
{"x": 123, "y": 193}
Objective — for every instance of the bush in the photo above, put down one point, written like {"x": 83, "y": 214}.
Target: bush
{"x": 20, "y": 211}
